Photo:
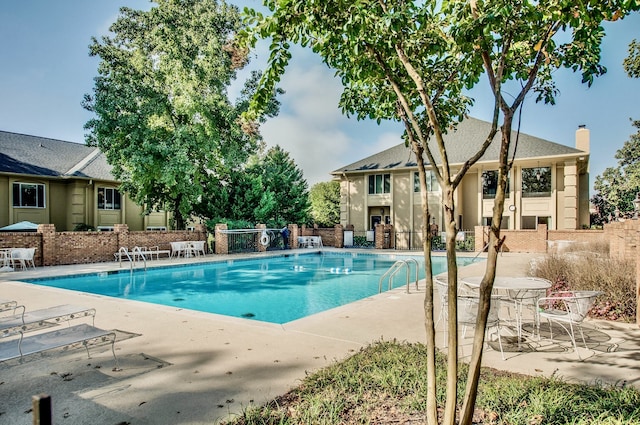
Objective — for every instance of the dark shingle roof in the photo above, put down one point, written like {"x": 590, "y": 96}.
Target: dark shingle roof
{"x": 40, "y": 156}
{"x": 461, "y": 145}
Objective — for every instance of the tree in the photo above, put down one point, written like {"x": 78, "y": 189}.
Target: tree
{"x": 632, "y": 62}
{"x": 268, "y": 189}
{"x": 412, "y": 61}
{"x": 617, "y": 187}
{"x": 163, "y": 117}
{"x": 324, "y": 198}
{"x": 284, "y": 180}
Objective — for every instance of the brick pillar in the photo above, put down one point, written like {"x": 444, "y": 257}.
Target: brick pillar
{"x": 221, "y": 240}
{"x": 294, "y": 232}
{"x": 339, "y": 236}
{"x": 49, "y": 250}
{"x": 258, "y": 238}
{"x": 478, "y": 232}
{"x": 542, "y": 235}
{"x": 122, "y": 235}
{"x": 389, "y": 236}
{"x": 378, "y": 236}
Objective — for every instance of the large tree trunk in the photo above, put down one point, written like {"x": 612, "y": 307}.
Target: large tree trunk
{"x": 452, "y": 307}
{"x": 486, "y": 287}
{"x": 432, "y": 406}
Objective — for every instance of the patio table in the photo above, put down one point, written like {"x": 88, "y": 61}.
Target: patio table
{"x": 521, "y": 290}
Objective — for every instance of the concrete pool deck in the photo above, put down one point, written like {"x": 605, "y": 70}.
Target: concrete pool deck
{"x": 185, "y": 367}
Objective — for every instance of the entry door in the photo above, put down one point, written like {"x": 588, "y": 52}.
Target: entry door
{"x": 375, "y": 219}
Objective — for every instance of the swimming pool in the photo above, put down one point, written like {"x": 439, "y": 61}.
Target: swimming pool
{"x": 276, "y": 289}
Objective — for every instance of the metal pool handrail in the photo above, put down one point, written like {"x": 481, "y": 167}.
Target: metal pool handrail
{"x": 395, "y": 268}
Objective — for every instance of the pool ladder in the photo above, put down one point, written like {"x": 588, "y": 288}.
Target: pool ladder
{"x": 394, "y": 269}
{"x": 124, "y": 252}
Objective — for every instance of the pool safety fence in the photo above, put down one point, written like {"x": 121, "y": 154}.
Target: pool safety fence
{"x": 411, "y": 241}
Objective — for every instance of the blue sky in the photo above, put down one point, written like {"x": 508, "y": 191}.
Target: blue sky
{"x": 45, "y": 70}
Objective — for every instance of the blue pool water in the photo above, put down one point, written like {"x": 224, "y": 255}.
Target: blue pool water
{"x": 275, "y": 289}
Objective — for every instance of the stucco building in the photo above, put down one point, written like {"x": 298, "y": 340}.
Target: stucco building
{"x": 548, "y": 184}
{"x": 48, "y": 181}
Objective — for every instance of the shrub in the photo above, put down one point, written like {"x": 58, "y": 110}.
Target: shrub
{"x": 593, "y": 269}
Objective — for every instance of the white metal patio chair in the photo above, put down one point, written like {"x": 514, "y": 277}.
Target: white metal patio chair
{"x": 23, "y": 257}
{"x": 468, "y": 315}
{"x": 441, "y": 287}
{"x": 568, "y": 309}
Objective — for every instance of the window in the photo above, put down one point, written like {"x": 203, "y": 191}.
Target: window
{"x": 29, "y": 195}
{"x": 432, "y": 181}
{"x": 504, "y": 224}
{"x": 532, "y": 222}
{"x": 536, "y": 182}
{"x": 379, "y": 183}
{"x": 490, "y": 184}
{"x": 108, "y": 198}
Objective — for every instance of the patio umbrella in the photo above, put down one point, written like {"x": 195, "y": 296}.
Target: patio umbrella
{"x": 22, "y": 226}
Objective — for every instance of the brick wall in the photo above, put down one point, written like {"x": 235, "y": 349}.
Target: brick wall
{"x": 539, "y": 240}
{"x": 622, "y": 237}
{"x": 331, "y": 236}
{"x": 59, "y": 248}
{"x": 23, "y": 240}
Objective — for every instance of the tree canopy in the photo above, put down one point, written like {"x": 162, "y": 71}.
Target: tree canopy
{"x": 617, "y": 187}
{"x": 632, "y": 62}
{"x": 162, "y": 113}
{"x": 269, "y": 189}
{"x": 412, "y": 61}
{"x": 324, "y": 198}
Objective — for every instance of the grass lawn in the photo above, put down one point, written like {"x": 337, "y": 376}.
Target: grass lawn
{"x": 385, "y": 383}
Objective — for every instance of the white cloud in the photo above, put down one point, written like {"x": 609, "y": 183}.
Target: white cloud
{"x": 312, "y": 128}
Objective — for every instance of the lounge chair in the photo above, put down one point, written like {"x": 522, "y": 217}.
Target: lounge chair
{"x": 35, "y": 337}
{"x": 27, "y": 320}
{"x": 61, "y": 337}
{"x": 139, "y": 252}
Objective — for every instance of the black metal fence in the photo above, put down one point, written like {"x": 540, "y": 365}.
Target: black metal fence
{"x": 409, "y": 241}
{"x": 363, "y": 239}
{"x": 243, "y": 241}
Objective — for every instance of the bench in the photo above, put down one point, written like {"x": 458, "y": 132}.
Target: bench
{"x": 62, "y": 337}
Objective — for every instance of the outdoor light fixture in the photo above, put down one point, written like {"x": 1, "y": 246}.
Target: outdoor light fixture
{"x": 381, "y": 211}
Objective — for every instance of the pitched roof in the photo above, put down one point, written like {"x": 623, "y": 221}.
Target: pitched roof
{"x": 461, "y": 145}
{"x": 40, "y": 156}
